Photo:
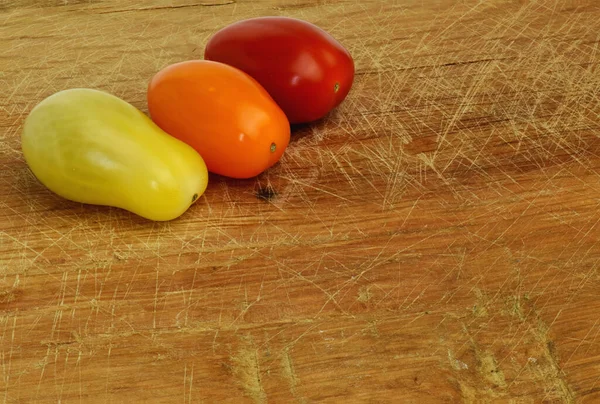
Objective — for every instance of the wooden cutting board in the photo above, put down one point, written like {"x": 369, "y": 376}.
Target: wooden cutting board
{"x": 435, "y": 239}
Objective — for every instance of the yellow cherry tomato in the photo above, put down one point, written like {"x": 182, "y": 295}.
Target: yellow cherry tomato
{"x": 92, "y": 147}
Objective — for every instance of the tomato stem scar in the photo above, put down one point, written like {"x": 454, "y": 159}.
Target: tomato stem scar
{"x": 336, "y": 87}
{"x": 194, "y": 197}
{"x": 273, "y": 147}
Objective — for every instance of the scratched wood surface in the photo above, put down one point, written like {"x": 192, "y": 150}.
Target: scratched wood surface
{"x": 435, "y": 239}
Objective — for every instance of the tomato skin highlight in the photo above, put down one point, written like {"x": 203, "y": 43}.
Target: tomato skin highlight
{"x": 92, "y": 147}
{"x": 223, "y": 113}
{"x": 306, "y": 71}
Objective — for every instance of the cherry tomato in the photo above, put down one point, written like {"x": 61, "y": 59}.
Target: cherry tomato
{"x": 223, "y": 113}
{"x": 306, "y": 71}
{"x": 92, "y": 147}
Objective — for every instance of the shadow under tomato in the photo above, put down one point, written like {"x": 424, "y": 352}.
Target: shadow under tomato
{"x": 235, "y": 187}
{"x": 301, "y": 130}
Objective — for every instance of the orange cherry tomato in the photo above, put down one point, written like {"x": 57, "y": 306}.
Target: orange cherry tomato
{"x": 223, "y": 113}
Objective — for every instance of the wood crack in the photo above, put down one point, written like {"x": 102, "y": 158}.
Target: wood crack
{"x": 169, "y": 7}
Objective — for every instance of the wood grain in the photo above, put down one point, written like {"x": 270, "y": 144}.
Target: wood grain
{"x": 435, "y": 239}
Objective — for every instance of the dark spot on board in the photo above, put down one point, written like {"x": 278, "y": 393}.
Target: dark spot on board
{"x": 265, "y": 193}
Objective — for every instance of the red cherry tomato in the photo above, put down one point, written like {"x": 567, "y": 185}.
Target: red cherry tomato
{"x": 306, "y": 71}
{"x": 223, "y": 113}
